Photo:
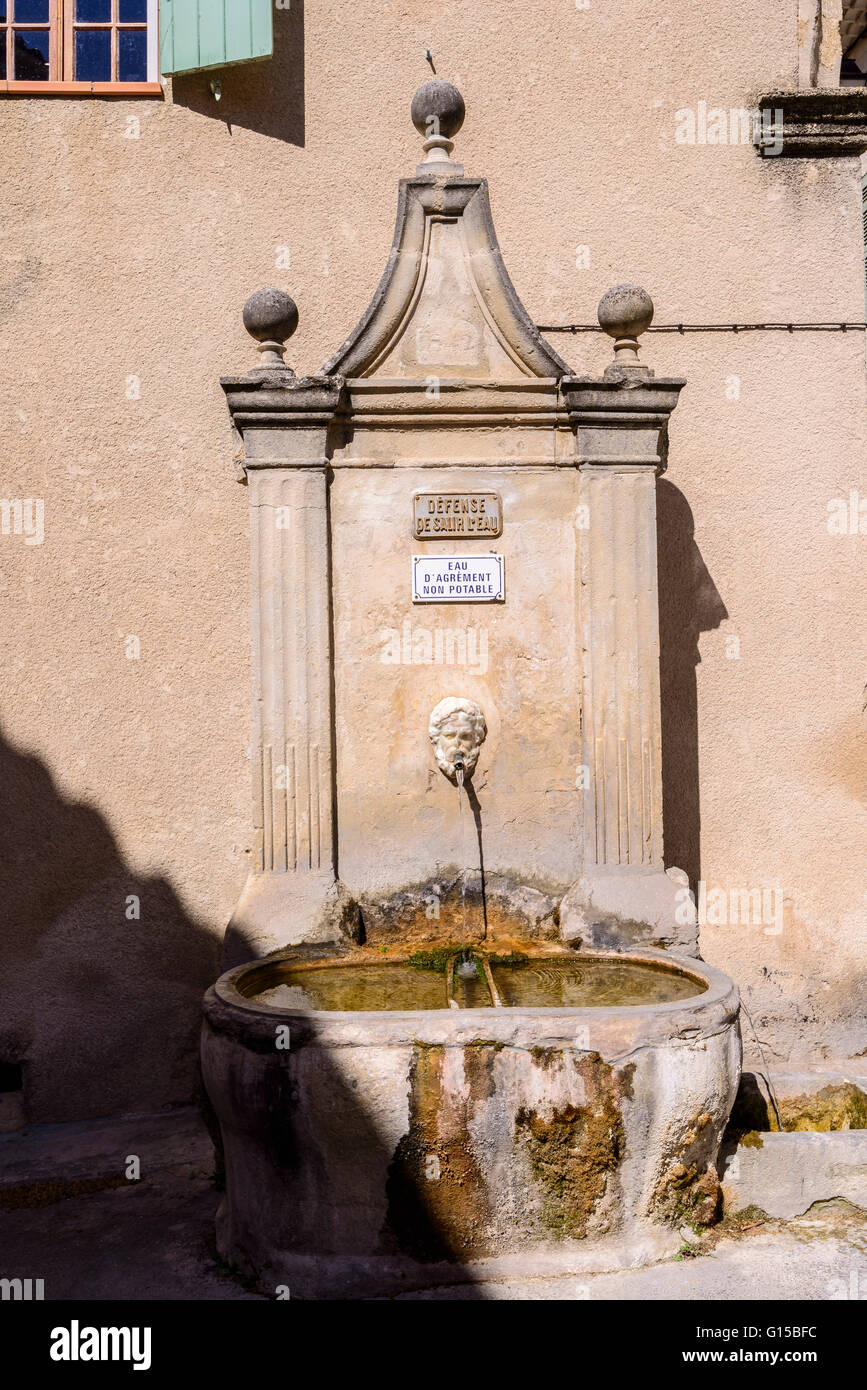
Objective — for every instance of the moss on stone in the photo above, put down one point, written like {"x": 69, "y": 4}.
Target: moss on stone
{"x": 436, "y": 957}
{"x": 509, "y": 958}
{"x": 751, "y": 1139}
{"x": 575, "y": 1151}
{"x": 833, "y": 1108}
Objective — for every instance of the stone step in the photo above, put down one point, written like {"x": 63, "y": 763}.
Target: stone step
{"x": 46, "y": 1159}
{"x": 784, "y": 1174}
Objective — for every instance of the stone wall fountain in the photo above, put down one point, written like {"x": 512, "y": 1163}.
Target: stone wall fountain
{"x": 464, "y": 1028}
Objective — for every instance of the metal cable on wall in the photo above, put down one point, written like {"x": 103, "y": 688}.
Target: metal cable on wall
{"x": 709, "y": 327}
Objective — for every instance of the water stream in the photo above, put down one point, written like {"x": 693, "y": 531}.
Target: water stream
{"x": 459, "y": 777}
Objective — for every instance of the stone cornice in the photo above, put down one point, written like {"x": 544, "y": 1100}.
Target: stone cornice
{"x": 283, "y": 396}
{"x": 821, "y": 122}
{"x": 621, "y": 424}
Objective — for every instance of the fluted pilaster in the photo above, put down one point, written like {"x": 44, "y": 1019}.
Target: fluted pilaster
{"x": 292, "y": 714}
{"x": 621, "y": 431}
{"x": 291, "y": 893}
{"x": 620, "y": 632}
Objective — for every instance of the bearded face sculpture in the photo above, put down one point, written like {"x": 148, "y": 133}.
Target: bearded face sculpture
{"x": 457, "y": 731}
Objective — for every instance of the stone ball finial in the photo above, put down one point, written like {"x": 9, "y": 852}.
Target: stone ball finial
{"x": 271, "y": 316}
{"x": 440, "y": 101}
{"x": 437, "y": 113}
{"x": 624, "y": 313}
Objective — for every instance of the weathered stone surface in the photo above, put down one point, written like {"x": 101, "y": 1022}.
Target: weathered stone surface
{"x": 784, "y": 1174}
{"x": 819, "y": 122}
{"x": 385, "y": 1146}
{"x": 165, "y": 1229}
{"x": 460, "y": 905}
{"x": 615, "y": 911}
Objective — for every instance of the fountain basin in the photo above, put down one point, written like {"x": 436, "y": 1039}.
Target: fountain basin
{"x": 371, "y": 1150}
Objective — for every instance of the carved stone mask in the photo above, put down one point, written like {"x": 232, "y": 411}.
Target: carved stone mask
{"x": 457, "y": 731}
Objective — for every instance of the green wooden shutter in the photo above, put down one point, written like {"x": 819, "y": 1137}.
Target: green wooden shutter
{"x": 210, "y": 33}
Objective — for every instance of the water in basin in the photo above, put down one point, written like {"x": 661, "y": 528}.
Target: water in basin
{"x": 541, "y": 983}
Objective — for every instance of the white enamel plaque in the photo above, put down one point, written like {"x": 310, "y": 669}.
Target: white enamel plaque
{"x": 458, "y": 578}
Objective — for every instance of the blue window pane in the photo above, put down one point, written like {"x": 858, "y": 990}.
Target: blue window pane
{"x": 92, "y": 11}
{"x": 132, "y": 55}
{"x": 2, "y": 57}
{"x": 3, "y": 8}
{"x": 132, "y": 11}
{"x": 31, "y": 55}
{"x": 31, "y": 11}
{"x": 93, "y": 55}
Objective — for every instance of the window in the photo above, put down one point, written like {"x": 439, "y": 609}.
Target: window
{"x": 853, "y": 43}
{"x": 78, "y": 45}
{"x": 112, "y": 47}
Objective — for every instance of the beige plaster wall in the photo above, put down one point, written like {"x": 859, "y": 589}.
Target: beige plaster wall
{"x": 133, "y": 232}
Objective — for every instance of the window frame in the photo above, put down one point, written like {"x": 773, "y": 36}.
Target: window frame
{"x": 61, "y": 27}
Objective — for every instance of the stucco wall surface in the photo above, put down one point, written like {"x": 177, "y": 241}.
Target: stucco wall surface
{"x": 133, "y": 233}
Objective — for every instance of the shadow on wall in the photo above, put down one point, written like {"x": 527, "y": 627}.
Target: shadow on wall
{"x": 100, "y": 1012}
{"x": 347, "y": 1191}
{"x": 689, "y": 604}
{"x": 99, "y": 1007}
{"x": 266, "y": 96}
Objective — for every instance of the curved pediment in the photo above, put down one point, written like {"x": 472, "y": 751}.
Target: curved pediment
{"x": 445, "y": 306}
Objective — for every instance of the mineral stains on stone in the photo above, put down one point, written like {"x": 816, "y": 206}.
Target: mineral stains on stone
{"x": 575, "y": 1151}
{"x": 688, "y": 1189}
{"x": 444, "y": 1202}
{"x": 438, "y": 1203}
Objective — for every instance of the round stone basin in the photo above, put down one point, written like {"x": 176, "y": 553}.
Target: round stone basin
{"x": 378, "y": 1138}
